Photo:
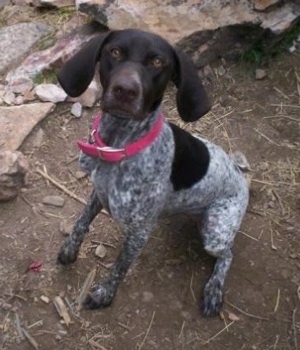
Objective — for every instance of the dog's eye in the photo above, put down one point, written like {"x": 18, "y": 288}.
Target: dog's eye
{"x": 115, "y": 52}
{"x": 156, "y": 62}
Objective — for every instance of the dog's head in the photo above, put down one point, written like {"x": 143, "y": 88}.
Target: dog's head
{"x": 135, "y": 68}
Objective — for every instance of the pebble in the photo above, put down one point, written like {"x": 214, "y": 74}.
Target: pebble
{"x": 80, "y": 175}
{"x": 100, "y": 251}
{"x": 9, "y": 97}
{"x": 76, "y": 109}
{"x": 147, "y": 297}
{"x": 260, "y": 74}
{"x": 19, "y": 100}
{"x": 55, "y": 201}
{"x": 44, "y": 299}
{"x": 65, "y": 228}
{"x": 221, "y": 71}
{"x": 50, "y": 92}
{"x": 22, "y": 87}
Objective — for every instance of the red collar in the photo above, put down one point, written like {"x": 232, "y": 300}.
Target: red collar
{"x": 97, "y": 148}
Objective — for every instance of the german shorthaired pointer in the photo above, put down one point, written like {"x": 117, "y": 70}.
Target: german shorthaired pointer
{"x": 142, "y": 166}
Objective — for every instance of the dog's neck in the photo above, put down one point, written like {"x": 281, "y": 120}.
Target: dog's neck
{"x": 118, "y": 132}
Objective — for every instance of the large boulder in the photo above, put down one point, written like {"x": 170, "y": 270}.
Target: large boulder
{"x": 210, "y": 27}
{"x": 176, "y": 20}
{"x": 16, "y": 122}
{"x": 16, "y": 41}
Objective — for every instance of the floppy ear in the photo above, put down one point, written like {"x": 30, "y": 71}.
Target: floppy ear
{"x": 77, "y": 73}
{"x": 192, "y": 99}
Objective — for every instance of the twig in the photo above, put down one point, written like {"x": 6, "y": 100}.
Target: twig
{"x": 266, "y": 137}
{"x": 31, "y": 340}
{"x": 96, "y": 345}
{"x": 246, "y": 234}
{"x": 191, "y": 287}
{"x": 61, "y": 187}
{"x": 104, "y": 243}
{"x": 294, "y": 329}
{"x": 72, "y": 160}
{"x": 181, "y": 330}
{"x": 285, "y": 105}
{"x": 221, "y": 331}
{"x": 124, "y": 326}
{"x": 276, "y": 341}
{"x": 273, "y": 246}
{"x": 85, "y": 288}
{"x": 62, "y": 310}
{"x": 147, "y": 332}
{"x": 246, "y": 313}
{"x": 18, "y": 325}
{"x": 277, "y": 301}
{"x": 281, "y": 93}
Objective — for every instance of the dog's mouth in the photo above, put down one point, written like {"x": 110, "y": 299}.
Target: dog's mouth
{"x": 121, "y": 110}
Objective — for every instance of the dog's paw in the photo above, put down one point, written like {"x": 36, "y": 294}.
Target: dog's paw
{"x": 212, "y": 298}
{"x": 68, "y": 252}
{"x": 101, "y": 297}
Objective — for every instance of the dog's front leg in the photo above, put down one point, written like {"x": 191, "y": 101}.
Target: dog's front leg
{"x": 70, "y": 248}
{"x": 103, "y": 293}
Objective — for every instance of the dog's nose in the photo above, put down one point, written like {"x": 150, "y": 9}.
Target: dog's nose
{"x": 125, "y": 89}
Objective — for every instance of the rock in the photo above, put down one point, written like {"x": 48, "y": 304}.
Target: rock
{"x": 65, "y": 228}
{"x": 221, "y": 71}
{"x": 22, "y": 86}
{"x": 45, "y": 299}
{"x": 38, "y": 138}
{"x": 55, "y": 201}
{"x": 76, "y": 109}
{"x": 16, "y": 122}
{"x": 100, "y": 251}
{"x": 80, "y": 175}
{"x": 260, "y": 74}
{"x": 4, "y": 3}
{"x": 13, "y": 169}
{"x": 50, "y": 93}
{"x": 262, "y": 5}
{"x": 187, "y": 17}
{"x": 17, "y": 40}
{"x": 207, "y": 30}
{"x": 91, "y": 95}
{"x": 53, "y": 3}
{"x": 147, "y": 297}
{"x": 8, "y": 98}
{"x": 19, "y": 100}
{"x": 43, "y": 60}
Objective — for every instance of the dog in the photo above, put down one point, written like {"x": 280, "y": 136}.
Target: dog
{"x": 143, "y": 167}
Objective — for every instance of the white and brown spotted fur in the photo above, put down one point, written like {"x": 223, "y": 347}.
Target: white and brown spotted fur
{"x": 177, "y": 173}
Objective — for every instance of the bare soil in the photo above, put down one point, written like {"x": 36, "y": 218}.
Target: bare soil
{"x": 157, "y": 306}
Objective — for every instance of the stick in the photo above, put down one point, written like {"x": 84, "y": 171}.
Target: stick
{"x": 18, "y": 325}
{"x": 96, "y": 345}
{"x": 246, "y": 313}
{"x": 31, "y": 340}
{"x": 277, "y": 301}
{"x": 294, "y": 329}
{"x": 221, "y": 331}
{"x": 147, "y": 332}
{"x": 85, "y": 288}
{"x": 61, "y": 187}
{"x": 181, "y": 330}
{"x": 191, "y": 287}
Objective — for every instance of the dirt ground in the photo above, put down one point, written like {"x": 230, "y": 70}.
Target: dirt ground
{"x": 157, "y": 305}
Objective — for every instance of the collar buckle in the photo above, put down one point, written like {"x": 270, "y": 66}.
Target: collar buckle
{"x": 105, "y": 151}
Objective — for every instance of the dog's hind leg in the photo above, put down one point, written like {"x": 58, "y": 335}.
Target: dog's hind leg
{"x": 219, "y": 227}
{"x": 70, "y": 248}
